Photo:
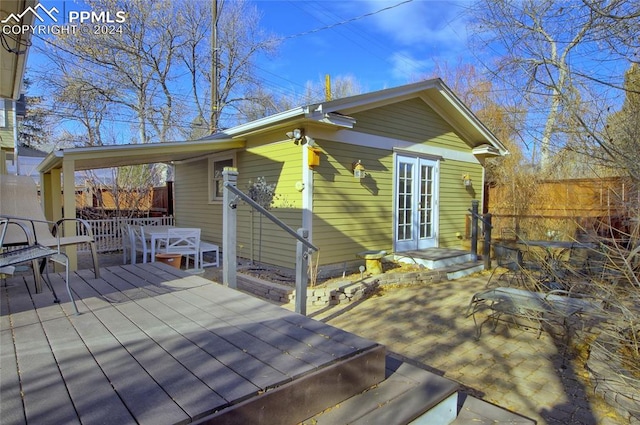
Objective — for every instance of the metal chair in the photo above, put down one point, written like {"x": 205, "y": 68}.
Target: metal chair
{"x": 509, "y": 258}
{"x": 32, "y": 252}
{"x": 185, "y": 241}
{"x": 19, "y": 200}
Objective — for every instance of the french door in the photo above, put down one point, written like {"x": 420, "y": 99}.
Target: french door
{"x": 416, "y": 203}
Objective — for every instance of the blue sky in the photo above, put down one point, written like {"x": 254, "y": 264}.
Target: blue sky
{"x": 388, "y": 48}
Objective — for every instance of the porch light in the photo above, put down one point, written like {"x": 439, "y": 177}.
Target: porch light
{"x": 296, "y": 135}
{"x": 358, "y": 170}
{"x": 466, "y": 180}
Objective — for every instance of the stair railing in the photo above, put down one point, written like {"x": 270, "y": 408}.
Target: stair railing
{"x": 304, "y": 248}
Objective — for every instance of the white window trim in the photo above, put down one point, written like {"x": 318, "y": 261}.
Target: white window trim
{"x": 211, "y": 186}
{"x": 3, "y": 113}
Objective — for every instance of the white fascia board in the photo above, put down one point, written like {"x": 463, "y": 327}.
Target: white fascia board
{"x": 379, "y": 142}
{"x": 258, "y": 124}
{"x": 486, "y": 149}
{"x": 332, "y": 118}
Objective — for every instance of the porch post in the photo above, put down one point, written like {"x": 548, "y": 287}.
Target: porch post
{"x": 486, "y": 249}
{"x": 474, "y": 229}
{"x": 68, "y": 206}
{"x": 229, "y": 223}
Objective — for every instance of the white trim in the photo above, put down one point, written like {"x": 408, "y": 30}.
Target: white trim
{"x": 380, "y": 142}
{"x": 435, "y": 164}
{"x": 211, "y": 198}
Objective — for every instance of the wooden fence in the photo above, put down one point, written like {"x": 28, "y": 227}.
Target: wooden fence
{"x": 564, "y": 209}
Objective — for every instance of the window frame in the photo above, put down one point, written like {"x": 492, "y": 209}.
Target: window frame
{"x": 213, "y": 197}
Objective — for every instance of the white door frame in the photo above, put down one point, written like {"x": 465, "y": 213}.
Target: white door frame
{"x": 415, "y": 218}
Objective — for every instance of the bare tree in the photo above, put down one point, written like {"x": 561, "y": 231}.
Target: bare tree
{"x": 556, "y": 57}
{"x": 138, "y": 73}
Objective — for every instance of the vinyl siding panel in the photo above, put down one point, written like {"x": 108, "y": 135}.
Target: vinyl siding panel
{"x": 278, "y": 163}
{"x": 192, "y": 207}
{"x": 455, "y": 199}
{"x": 411, "y": 120}
{"x": 351, "y": 215}
{"x": 7, "y": 117}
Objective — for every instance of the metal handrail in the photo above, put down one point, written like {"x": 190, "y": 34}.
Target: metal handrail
{"x": 270, "y": 216}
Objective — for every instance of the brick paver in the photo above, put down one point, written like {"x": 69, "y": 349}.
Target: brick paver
{"x": 510, "y": 366}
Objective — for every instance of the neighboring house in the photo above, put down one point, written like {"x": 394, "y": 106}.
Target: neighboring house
{"x": 8, "y": 135}
{"x": 422, "y": 151}
{"x": 26, "y": 163}
{"x": 13, "y": 59}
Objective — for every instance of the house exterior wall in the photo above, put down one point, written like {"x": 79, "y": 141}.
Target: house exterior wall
{"x": 7, "y": 136}
{"x": 348, "y": 215}
{"x": 351, "y": 215}
{"x": 278, "y": 163}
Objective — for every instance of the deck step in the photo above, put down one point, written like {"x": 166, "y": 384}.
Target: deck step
{"x": 409, "y": 393}
{"x": 412, "y": 395}
{"x": 478, "y": 412}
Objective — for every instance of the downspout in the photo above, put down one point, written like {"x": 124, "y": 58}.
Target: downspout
{"x": 307, "y": 189}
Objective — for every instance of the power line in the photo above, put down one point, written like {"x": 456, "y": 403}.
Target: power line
{"x": 346, "y": 21}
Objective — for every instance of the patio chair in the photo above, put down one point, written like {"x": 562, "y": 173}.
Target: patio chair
{"x": 185, "y": 241}
{"x": 127, "y": 247}
{"x": 19, "y": 201}
{"x": 214, "y": 250}
{"x": 138, "y": 243}
{"x": 509, "y": 258}
{"x": 31, "y": 252}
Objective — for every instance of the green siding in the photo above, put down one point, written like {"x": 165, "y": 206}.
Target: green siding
{"x": 268, "y": 161}
{"x": 279, "y": 163}
{"x": 455, "y": 199}
{"x": 351, "y": 215}
{"x": 6, "y": 132}
{"x": 411, "y": 120}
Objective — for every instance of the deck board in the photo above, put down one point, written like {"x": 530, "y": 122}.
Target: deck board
{"x": 155, "y": 345}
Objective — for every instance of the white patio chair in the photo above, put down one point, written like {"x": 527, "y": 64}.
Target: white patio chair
{"x": 138, "y": 243}
{"x": 185, "y": 241}
{"x": 210, "y": 248}
{"x": 127, "y": 247}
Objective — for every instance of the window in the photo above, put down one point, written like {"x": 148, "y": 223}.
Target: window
{"x": 3, "y": 113}
{"x": 216, "y": 166}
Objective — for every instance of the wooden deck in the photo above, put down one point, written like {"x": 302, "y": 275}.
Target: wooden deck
{"x": 154, "y": 345}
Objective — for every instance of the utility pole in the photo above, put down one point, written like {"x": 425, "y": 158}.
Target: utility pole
{"x": 213, "y": 119}
{"x": 327, "y": 87}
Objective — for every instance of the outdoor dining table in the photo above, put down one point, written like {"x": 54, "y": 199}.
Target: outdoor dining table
{"x": 555, "y": 268}
{"x": 156, "y": 234}
{"x": 555, "y": 249}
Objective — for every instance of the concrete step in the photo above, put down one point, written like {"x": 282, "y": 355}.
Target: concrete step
{"x": 458, "y": 271}
{"x": 435, "y": 258}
